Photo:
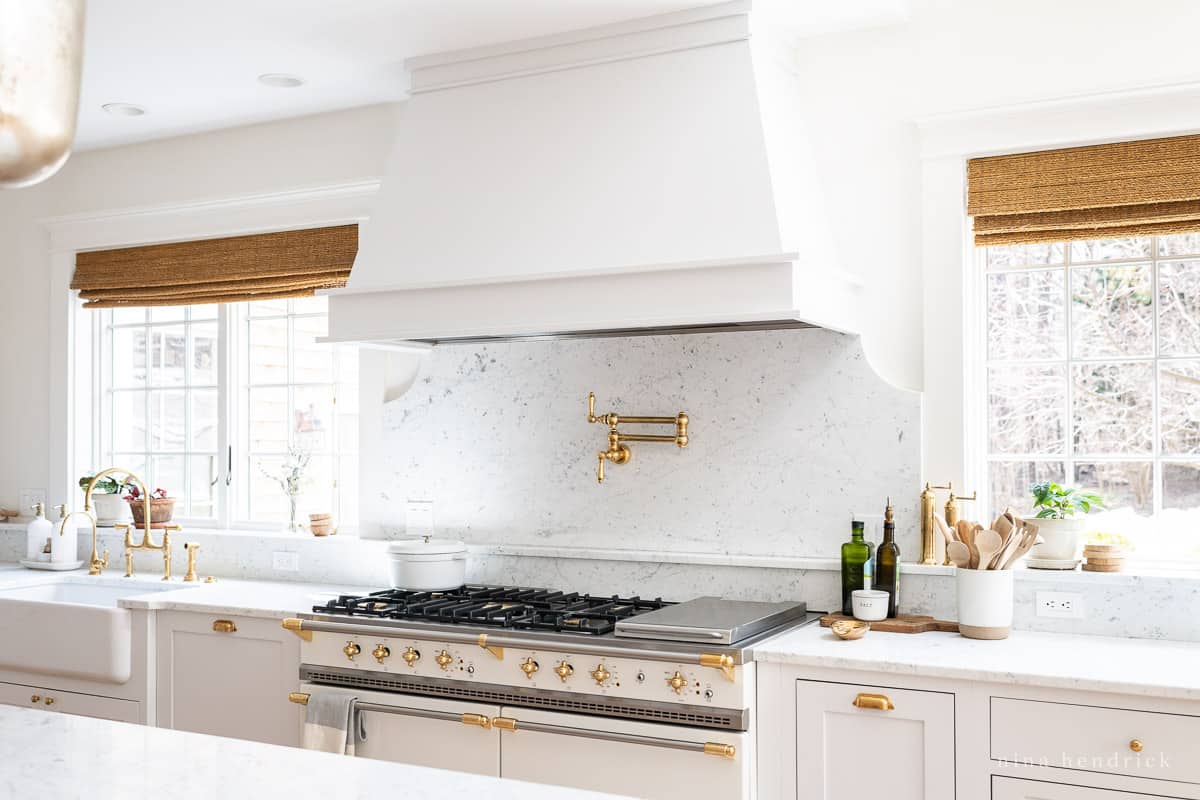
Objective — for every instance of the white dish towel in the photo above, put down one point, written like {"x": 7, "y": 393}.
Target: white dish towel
{"x": 333, "y": 723}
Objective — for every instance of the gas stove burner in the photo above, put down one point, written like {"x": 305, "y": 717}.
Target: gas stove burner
{"x": 497, "y": 606}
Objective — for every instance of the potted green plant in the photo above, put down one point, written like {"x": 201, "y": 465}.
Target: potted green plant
{"x": 1061, "y": 512}
{"x": 107, "y": 503}
{"x": 162, "y": 507}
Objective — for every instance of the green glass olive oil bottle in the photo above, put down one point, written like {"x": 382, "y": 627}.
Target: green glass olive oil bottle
{"x": 887, "y": 562}
{"x": 855, "y": 554}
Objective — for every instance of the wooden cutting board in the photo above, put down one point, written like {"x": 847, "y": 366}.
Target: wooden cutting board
{"x": 904, "y": 623}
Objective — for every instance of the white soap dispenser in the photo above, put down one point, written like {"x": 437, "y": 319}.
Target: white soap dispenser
{"x": 64, "y": 542}
{"x": 37, "y": 533}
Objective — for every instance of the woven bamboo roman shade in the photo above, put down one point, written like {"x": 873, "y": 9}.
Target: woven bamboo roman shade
{"x": 1103, "y": 191}
{"x": 239, "y": 268}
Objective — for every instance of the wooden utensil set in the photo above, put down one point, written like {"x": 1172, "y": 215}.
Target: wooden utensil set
{"x": 971, "y": 546}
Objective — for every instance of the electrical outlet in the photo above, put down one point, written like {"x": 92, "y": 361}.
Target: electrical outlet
{"x": 418, "y": 518}
{"x": 285, "y": 562}
{"x": 1060, "y": 604}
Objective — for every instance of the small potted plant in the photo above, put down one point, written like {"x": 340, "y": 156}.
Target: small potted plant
{"x": 292, "y": 477}
{"x": 107, "y": 502}
{"x": 1057, "y": 506}
{"x": 162, "y": 507}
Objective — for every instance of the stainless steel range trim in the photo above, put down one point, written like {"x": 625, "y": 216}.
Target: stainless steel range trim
{"x": 548, "y": 699}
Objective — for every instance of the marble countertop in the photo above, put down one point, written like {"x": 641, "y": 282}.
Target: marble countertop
{"x": 1144, "y": 667}
{"x": 53, "y": 756}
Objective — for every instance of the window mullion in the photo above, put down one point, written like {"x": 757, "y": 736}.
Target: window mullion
{"x": 1069, "y": 417}
{"x": 1156, "y": 470}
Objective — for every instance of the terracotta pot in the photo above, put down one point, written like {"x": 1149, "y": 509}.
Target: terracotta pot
{"x": 161, "y": 511}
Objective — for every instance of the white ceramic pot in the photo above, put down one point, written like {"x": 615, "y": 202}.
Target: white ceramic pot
{"x": 985, "y": 603}
{"x": 110, "y": 509}
{"x": 427, "y": 564}
{"x": 1060, "y": 538}
{"x": 870, "y": 605}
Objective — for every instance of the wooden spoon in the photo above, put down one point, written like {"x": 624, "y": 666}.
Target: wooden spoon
{"x": 988, "y": 543}
{"x": 943, "y": 528}
{"x": 960, "y": 554}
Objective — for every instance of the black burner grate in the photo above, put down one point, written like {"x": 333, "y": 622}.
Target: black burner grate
{"x": 496, "y": 606}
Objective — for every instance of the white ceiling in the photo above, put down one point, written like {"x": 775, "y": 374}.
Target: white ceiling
{"x": 194, "y": 65}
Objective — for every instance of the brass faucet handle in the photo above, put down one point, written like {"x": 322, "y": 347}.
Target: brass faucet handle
{"x": 600, "y": 466}
{"x": 974, "y": 496}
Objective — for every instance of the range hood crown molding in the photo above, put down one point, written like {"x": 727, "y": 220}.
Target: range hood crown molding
{"x": 651, "y": 174}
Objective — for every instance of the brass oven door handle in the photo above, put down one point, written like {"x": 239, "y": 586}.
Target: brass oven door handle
{"x": 878, "y": 702}
{"x": 708, "y": 748}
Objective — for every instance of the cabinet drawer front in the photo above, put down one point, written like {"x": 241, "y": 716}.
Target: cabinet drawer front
{"x": 1018, "y": 789}
{"x": 1116, "y": 741}
{"x": 83, "y": 705}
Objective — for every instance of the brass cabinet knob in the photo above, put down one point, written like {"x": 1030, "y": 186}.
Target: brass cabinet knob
{"x": 37, "y": 698}
{"x": 529, "y": 666}
{"x": 564, "y": 671}
{"x": 381, "y": 652}
{"x": 49, "y": 701}
{"x": 444, "y": 659}
{"x": 351, "y": 650}
{"x": 411, "y": 656}
{"x": 677, "y": 682}
{"x": 1136, "y": 745}
{"x": 600, "y": 675}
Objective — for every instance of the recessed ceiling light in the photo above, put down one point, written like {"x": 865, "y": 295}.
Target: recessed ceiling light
{"x": 280, "y": 80}
{"x": 123, "y": 109}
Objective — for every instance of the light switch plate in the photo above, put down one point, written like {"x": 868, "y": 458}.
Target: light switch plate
{"x": 285, "y": 562}
{"x": 1066, "y": 605}
{"x": 30, "y": 498}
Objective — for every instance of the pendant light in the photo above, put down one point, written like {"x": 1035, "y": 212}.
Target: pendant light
{"x": 41, "y": 55}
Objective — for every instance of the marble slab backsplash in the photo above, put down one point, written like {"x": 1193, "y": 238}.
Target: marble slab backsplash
{"x": 791, "y": 431}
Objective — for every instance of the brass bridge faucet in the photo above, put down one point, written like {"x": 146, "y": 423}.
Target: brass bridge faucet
{"x": 618, "y": 452}
{"x": 98, "y": 564}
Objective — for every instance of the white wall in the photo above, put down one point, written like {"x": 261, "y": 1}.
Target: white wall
{"x": 312, "y": 151}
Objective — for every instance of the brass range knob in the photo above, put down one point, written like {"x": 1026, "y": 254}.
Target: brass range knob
{"x": 49, "y": 701}
{"x": 444, "y": 659}
{"x": 37, "y": 698}
{"x": 381, "y": 652}
{"x": 677, "y": 682}
{"x": 529, "y": 666}
{"x": 600, "y": 675}
{"x": 351, "y": 650}
{"x": 411, "y": 656}
{"x": 564, "y": 671}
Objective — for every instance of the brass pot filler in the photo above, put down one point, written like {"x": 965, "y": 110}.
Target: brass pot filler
{"x": 618, "y": 452}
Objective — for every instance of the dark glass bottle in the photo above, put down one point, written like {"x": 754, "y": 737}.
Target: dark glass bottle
{"x": 855, "y": 553}
{"x": 887, "y": 562}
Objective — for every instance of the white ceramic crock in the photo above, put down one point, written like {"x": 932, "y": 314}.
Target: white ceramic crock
{"x": 1060, "y": 538}
{"x": 869, "y": 605}
{"x": 985, "y": 603}
{"x": 427, "y": 564}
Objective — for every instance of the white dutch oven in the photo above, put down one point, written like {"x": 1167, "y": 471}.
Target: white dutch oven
{"x": 427, "y": 564}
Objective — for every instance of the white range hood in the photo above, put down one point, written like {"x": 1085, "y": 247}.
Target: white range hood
{"x": 653, "y": 174}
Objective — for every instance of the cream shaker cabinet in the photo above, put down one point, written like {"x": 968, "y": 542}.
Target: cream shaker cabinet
{"x": 857, "y": 741}
{"x": 1018, "y": 789}
{"x": 228, "y": 676}
{"x": 83, "y": 705}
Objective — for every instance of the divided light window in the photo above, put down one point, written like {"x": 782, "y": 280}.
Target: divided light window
{"x": 1093, "y": 378}
{"x": 207, "y": 401}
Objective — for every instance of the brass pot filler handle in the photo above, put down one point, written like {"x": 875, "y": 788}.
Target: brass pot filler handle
{"x": 878, "y": 702}
{"x": 618, "y": 452}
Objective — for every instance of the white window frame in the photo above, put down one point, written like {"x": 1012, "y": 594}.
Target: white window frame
{"x": 1068, "y": 457}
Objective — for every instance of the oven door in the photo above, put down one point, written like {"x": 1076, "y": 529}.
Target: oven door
{"x": 641, "y": 759}
{"x": 425, "y": 731}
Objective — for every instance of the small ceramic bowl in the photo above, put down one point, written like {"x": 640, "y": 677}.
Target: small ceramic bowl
{"x": 870, "y": 605}
{"x": 850, "y": 629}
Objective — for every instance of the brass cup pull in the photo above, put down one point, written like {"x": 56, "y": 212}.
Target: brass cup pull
{"x": 879, "y": 702}
{"x": 224, "y": 626}
{"x": 1136, "y": 745}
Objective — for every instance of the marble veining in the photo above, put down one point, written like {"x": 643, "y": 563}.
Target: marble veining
{"x": 1064, "y": 661}
{"x": 63, "y": 757}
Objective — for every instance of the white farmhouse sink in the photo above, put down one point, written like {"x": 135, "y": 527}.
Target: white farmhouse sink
{"x": 69, "y": 629}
